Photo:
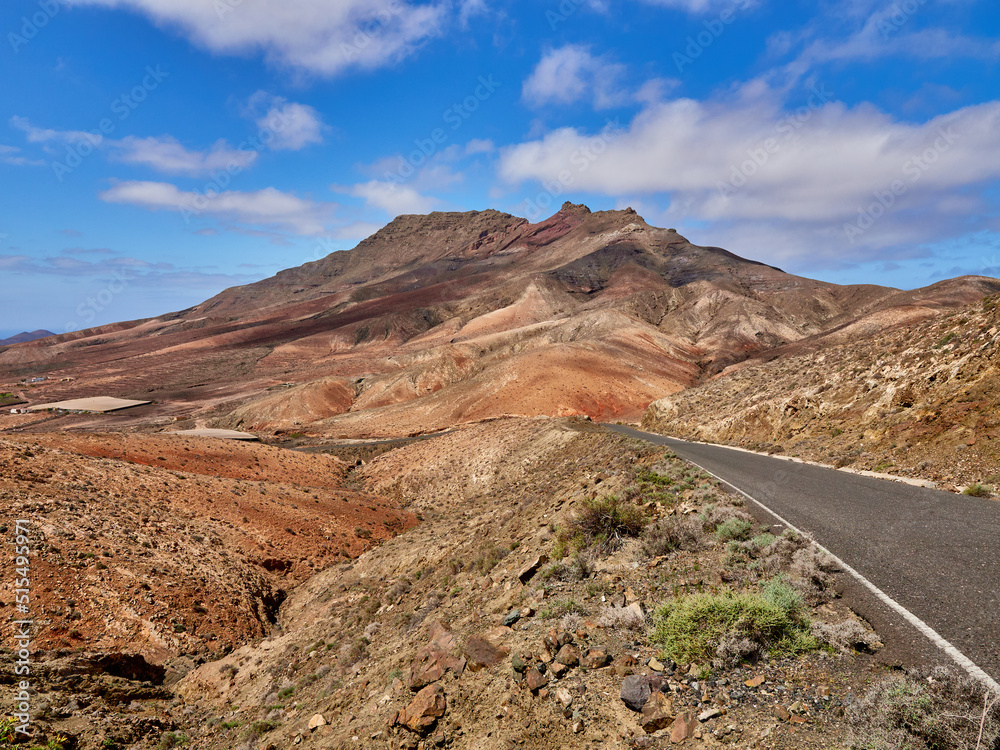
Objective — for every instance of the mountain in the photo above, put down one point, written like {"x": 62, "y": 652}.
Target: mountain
{"x": 25, "y": 336}
{"x": 456, "y": 317}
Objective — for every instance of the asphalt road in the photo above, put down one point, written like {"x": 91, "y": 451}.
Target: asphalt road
{"x": 935, "y": 553}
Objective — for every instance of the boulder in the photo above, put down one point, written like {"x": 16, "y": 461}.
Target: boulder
{"x": 636, "y": 690}
{"x": 535, "y": 680}
{"x": 316, "y": 721}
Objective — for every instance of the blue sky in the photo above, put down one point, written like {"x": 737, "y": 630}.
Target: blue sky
{"x": 154, "y": 152}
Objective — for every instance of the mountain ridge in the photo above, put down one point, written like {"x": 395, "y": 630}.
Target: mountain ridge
{"x": 449, "y": 318}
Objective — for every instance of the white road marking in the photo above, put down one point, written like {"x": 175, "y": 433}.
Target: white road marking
{"x": 959, "y": 658}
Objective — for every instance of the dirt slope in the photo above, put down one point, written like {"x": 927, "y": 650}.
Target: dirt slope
{"x": 162, "y": 546}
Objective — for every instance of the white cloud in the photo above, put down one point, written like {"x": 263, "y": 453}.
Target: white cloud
{"x": 35, "y": 134}
{"x": 479, "y": 146}
{"x": 165, "y": 154}
{"x": 750, "y": 162}
{"x": 393, "y": 198}
{"x": 327, "y": 37}
{"x": 293, "y": 126}
{"x": 470, "y": 8}
{"x": 701, "y": 7}
{"x": 267, "y": 207}
{"x": 569, "y": 74}
{"x": 11, "y": 155}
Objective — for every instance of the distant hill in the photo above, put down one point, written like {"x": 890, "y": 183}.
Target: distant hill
{"x": 25, "y": 336}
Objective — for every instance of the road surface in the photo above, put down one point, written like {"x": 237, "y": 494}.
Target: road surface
{"x": 932, "y": 553}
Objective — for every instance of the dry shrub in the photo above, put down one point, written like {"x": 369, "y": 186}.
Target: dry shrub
{"x": 620, "y": 618}
{"x": 926, "y": 710}
{"x": 734, "y": 649}
{"x": 605, "y": 523}
{"x": 580, "y": 568}
{"x": 671, "y": 534}
{"x": 847, "y": 635}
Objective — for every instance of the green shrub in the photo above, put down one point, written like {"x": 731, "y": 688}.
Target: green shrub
{"x": 488, "y": 559}
{"x": 259, "y": 728}
{"x": 691, "y": 628}
{"x": 735, "y": 529}
{"x": 977, "y": 490}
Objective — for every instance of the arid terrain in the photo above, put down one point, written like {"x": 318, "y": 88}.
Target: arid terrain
{"x": 437, "y": 544}
{"x": 450, "y": 318}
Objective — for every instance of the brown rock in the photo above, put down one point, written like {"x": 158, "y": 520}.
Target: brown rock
{"x": 684, "y": 726}
{"x": 482, "y": 654}
{"x": 568, "y": 655}
{"x": 657, "y": 714}
{"x": 782, "y": 713}
{"x": 430, "y": 665}
{"x": 755, "y": 681}
{"x": 623, "y": 665}
{"x": 316, "y": 721}
{"x": 595, "y": 659}
{"x": 425, "y": 709}
{"x": 535, "y": 680}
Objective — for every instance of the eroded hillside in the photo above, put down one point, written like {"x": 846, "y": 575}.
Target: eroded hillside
{"x": 173, "y": 545}
{"x": 919, "y": 402}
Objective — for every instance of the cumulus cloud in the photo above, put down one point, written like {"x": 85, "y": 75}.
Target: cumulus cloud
{"x": 751, "y": 160}
{"x": 267, "y": 207}
{"x": 327, "y": 37}
{"x": 293, "y": 126}
{"x": 34, "y": 134}
{"x": 571, "y": 73}
{"x": 567, "y": 74}
{"x": 393, "y": 198}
